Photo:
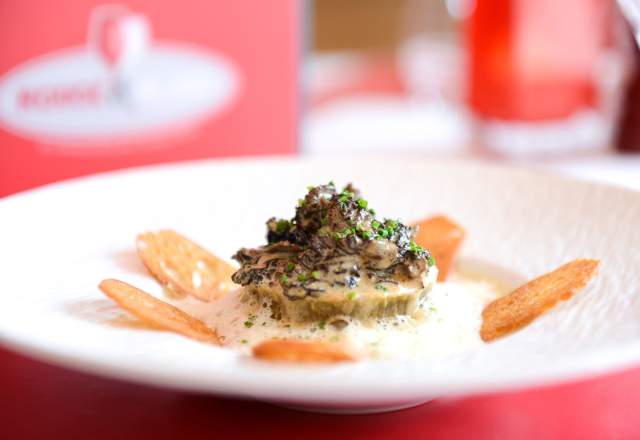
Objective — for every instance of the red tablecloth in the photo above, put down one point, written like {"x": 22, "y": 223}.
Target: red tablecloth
{"x": 41, "y": 401}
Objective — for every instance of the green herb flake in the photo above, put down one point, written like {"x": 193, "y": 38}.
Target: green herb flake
{"x": 244, "y": 341}
{"x": 282, "y": 226}
{"x": 375, "y": 224}
{"x": 372, "y": 211}
{"x": 345, "y": 196}
{"x": 381, "y": 287}
{"x": 362, "y": 203}
{"x": 302, "y": 277}
{"x": 415, "y": 248}
{"x": 348, "y": 231}
{"x": 315, "y": 274}
{"x": 352, "y": 295}
{"x": 431, "y": 261}
{"x": 290, "y": 267}
{"x": 331, "y": 183}
{"x": 322, "y": 325}
{"x": 248, "y": 323}
{"x": 367, "y": 235}
{"x": 284, "y": 279}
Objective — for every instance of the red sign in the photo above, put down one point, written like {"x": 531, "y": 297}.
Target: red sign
{"x": 88, "y": 87}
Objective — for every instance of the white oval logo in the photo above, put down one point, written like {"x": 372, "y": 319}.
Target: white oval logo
{"x": 117, "y": 89}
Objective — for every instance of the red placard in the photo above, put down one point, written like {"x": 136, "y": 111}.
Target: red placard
{"x": 88, "y": 87}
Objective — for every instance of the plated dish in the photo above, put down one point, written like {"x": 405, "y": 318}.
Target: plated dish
{"x": 59, "y": 242}
{"x": 334, "y": 283}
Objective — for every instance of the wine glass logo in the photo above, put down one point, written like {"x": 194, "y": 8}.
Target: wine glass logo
{"x": 122, "y": 87}
{"x": 121, "y": 38}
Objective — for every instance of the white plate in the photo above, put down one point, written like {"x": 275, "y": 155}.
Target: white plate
{"x": 57, "y": 243}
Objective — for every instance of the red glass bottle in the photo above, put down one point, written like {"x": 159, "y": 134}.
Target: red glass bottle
{"x": 533, "y": 60}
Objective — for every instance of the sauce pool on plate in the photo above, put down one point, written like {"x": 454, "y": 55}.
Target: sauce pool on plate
{"x": 446, "y": 322}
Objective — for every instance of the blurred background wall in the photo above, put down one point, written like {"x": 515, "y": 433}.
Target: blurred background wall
{"x": 376, "y": 24}
{"x": 111, "y": 85}
{"x": 357, "y": 24}
{"x": 502, "y": 77}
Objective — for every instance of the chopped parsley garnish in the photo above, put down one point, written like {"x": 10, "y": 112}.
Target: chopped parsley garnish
{"x": 248, "y": 323}
{"x": 282, "y": 226}
{"x": 344, "y": 197}
{"x": 302, "y": 277}
{"x": 290, "y": 267}
{"x": 362, "y": 203}
{"x": 349, "y": 231}
{"x": 284, "y": 279}
{"x": 381, "y": 287}
{"x": 366, "y": 235}
{"x": 431, "y": 261}
{"x": 385, "y": 230}
{"x": 416, "y": 248}
{"x": 352, "y": 295}
{"x": 322, "y": 325}
{"x": 331, "y": 183}
{"x": 315, "y": 274}
{"x": 301, "y": 202}
{"x": 372, "y": 211}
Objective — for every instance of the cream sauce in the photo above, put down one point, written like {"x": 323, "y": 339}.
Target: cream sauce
{"x": 447, "y": 322}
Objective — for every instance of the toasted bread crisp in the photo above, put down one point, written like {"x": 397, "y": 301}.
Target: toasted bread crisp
{"x": 295, "y": 351}
{"x": 519, "y": 308}
{"x": 184, "y": 267}
{"x": 442, "y": 237}
{"x": 157, "y": 313}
